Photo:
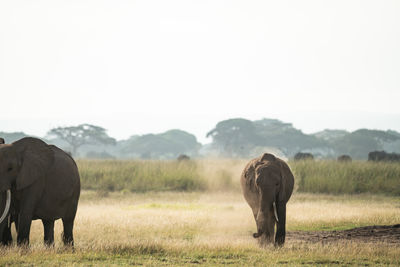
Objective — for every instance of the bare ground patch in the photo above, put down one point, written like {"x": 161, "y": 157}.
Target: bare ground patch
{"x": 375, "y": 234}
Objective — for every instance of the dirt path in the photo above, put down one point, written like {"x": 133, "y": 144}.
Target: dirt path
{"x": 375, "y": 233}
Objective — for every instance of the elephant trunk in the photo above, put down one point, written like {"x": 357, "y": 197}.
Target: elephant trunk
{"x": 261, "y": 224}
{"x": 6, "y": 207}
{"x": 266, "y": 218}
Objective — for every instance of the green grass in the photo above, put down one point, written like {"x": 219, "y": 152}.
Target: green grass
{"x": 140, "y": 176}
{"x": 344, "y": 255}
{"x": 347, "y": 178}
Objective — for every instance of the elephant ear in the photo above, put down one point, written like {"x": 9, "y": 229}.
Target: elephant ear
{"x": 36, "y": 157}
{"x": 284, "y": 194}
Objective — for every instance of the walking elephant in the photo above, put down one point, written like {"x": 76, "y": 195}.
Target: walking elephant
{"x": 267, "y": 184}
{"x": 37, "y": 181}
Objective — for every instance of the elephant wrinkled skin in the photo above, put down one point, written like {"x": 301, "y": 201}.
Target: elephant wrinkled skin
{"x": 267, "y": 184}
{"x": 44, "y": 183}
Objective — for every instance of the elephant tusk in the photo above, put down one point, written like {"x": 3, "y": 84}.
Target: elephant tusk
{"x": 7, "y": 207}
{"x": 275, "y": 213}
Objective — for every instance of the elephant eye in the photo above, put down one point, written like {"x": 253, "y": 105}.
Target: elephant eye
{"x": 9, "y": 169}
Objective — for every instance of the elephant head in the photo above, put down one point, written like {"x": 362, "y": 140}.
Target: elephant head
{"x": 21, "y": 164}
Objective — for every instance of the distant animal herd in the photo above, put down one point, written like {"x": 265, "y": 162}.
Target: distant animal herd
{"x": 376, "y": 156}
{"x": 383, "y": 156}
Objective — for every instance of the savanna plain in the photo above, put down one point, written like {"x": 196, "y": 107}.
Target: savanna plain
{"x": 192, "y": 212}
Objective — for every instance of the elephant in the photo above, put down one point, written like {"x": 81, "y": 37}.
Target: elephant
{"x": 183, "y": 157}
{"x": 37, "y": 181}
{"x": 303, "y": 156}
{"x": 383, "y": 156}
{"x": 344, "y": 158}
{"x": 267, "y": 184}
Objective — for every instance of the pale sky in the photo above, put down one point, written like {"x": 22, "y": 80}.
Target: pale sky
{"x": 135, "y": 67}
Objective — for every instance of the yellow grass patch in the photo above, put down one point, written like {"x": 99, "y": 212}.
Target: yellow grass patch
{"x": 213, "y": 228}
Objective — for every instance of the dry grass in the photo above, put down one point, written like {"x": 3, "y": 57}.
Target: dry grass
{"x": 211, "y": 228}
{"x": 210, "y": 225}
{"x": 221, "y": 174}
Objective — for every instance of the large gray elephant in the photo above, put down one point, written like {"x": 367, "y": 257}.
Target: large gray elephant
{"x": 267, "y": 184}
{"x": 37, "y": 181}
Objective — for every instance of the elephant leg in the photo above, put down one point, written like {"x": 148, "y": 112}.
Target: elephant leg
{"x": 281, "y": 225}
{"x": 67, "y": 236}
{"x": 16, "y": 223}
{"x": 7, "y": 237}
{"x": 27, "y": 206}
{"x": 48, "y": 226}
{"x": 24, "y": 228}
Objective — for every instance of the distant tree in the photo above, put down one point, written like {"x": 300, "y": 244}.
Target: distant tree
{"x": 169, "y": 144}
{"x": 183, "y": 141}
{"x": 99, "y": 155}
{"x": 330, "y": 135}
{"x": 239, "y": 137}
{"x": 360, "y": 142}
{"x": 234, "y": 137}
{"x": 275, "y": 133}
{"x": 84, "y": 134}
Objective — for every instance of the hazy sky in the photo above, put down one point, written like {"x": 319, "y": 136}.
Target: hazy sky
{"x": 135, "y": 67}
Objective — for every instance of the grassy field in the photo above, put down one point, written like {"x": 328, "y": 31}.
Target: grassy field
{"x": 207, "y": 222}
{"x": 140, "y": 176}
{"x": 347, "y": 178}
{"x": 222, "y": 175}
{"x": 171, "y": 228}
{"x": 152, "y": 175}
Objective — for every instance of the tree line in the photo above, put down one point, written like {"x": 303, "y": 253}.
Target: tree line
{"x": 237, "y": 138}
